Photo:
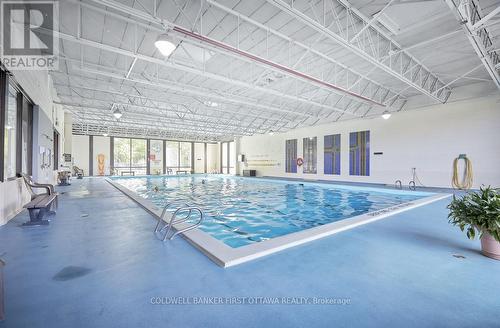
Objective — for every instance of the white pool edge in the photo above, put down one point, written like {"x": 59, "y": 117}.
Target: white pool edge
{"x": 226, "y": 256}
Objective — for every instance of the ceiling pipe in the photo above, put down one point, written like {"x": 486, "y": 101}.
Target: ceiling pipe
{"x": 270, "y": 63}
{"x": 147, "y": 17}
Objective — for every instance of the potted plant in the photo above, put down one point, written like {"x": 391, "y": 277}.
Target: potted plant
{"x": 479, "y": 211}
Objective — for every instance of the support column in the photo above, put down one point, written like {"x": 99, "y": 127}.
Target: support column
{"x": 19, "y": 132}
{"x": 148, "y": 160}
{"x": 221, "y": 170}
{"x": 192, "y": 157}
{"x": 237, "y": 147}
{"x": 4, "y": 95}
{"x": 91, "y": 156}
{"x": 205, "y": 156}
{"x": 164, "y": 153}
{"x": 111, "y": 155}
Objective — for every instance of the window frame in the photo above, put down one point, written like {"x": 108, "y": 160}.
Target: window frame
{"x": 163, "y": 155}
{"x": 148, "y": 153}
{"x": 4, "y": 89}
{"x": 130, "y": 167}
{"x": 23, "y": 101}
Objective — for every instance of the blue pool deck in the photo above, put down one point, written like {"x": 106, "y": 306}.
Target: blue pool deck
{"x": 98, "y": 265}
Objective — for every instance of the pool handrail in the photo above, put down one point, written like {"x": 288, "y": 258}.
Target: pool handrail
{"x": 162, "y": 216}
{"x": 181, "y": 220}
{"x": 174, "y": 219}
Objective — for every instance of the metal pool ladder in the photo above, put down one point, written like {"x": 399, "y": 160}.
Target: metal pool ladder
{"x": 398, "y": 184}
{"x": 180, "y": 215}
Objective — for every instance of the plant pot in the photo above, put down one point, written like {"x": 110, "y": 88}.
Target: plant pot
{"x": 490, "y": 247}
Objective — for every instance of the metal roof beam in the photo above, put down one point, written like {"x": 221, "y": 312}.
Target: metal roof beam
{"x": 369, "y": 50}
{"x": 355, "y": 76}
{"x": 168, "y": 104}
{"x": 468, "y": 16}
{"x": 195, "y": 71}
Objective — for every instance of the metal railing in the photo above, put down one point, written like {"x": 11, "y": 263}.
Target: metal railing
{"x": 398, "y": 184}
{"x": 182, "y": 214}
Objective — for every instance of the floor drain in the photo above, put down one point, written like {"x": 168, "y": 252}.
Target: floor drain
{"x": 84, "y": 215}
{"x": 458, "y": 256}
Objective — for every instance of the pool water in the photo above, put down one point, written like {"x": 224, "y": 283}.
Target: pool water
{"x": 243, "y": 211}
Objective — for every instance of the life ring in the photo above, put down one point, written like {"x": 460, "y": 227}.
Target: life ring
{"x": 300, "y": 161}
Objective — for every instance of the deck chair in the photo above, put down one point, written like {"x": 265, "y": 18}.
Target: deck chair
{"x": 78, "y": 172}
{"x": 30, "y": 185}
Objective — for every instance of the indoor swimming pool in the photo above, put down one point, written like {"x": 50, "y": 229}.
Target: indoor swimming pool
{"x": 244, "y": 211}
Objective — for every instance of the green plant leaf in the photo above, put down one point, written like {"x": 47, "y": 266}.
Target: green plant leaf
{"x": 477, "y": 209}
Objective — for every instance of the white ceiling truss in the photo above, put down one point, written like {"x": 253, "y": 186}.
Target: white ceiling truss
{"x": 476, "y": 27}
{"x": 240, "y": 67}
{"x": 353, "y": 30}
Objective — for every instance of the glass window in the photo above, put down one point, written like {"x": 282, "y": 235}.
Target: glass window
{"x": 139, "y": 156}
{"x": 156, "y": 157}
{"x": 310, "y": 151}
{"x": 27, "y": 137}
{"x": 9, "y": 154}
{"x": 130, "y": 156}
{"x": 172, "y": 156}
{"x": 359, "y": 153}
{"x": 121, "y": 152}
{"x": 332, "y": 154}
{"x": 185, "y": 156}
{"x": 291, "y": 156}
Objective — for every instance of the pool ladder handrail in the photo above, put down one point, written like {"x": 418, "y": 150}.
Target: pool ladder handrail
{"x": 398, "y": 184}
{"x": 173, "y": 219}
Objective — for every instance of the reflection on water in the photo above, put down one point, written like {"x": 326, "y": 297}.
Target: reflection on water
{"x": 244, "y": 211}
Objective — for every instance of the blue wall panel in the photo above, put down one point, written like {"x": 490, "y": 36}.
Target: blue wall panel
{"x": 359, "y": 153}
{"x": 332, "y": 154}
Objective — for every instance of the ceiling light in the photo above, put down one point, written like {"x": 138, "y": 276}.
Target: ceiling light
{"x": 271, "y": 133}
{"x": 210, "y": 103}
{"x": 117, "y": 113}
{"x": 165, "y": 44}
{"x": 386, "y": 115}
{"x": 8, "y": 127}
{"x": 105, "y": 134}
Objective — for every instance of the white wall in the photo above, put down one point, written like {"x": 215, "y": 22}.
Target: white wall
{"x": 68, "y": 133}
{"x": 46, "y": 117}
{"x": 428, "y": 139}
{"x": 80, "y": 148}
{"x": 199, "y": 157}
{"x": 213, "y": 158}
{"x": 43, "y": 147}
{"x": 13, "y": 196}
